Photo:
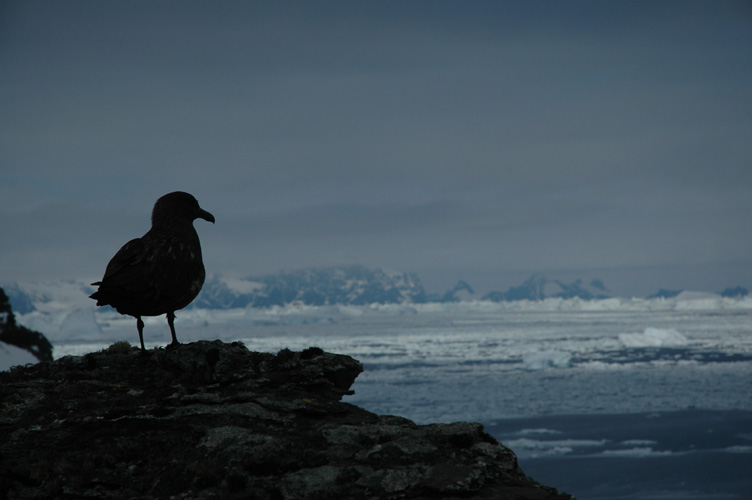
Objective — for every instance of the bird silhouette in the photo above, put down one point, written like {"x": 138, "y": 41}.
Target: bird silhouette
{"x": 162, "y": 271}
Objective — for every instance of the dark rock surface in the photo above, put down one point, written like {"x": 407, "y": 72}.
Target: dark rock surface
{"x": 214, "y": 420}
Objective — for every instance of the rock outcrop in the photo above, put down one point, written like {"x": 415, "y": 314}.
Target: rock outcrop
{"x": 214, "y": 420}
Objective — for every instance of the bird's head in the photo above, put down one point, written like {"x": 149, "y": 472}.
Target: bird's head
{"x": 177, "y": 207}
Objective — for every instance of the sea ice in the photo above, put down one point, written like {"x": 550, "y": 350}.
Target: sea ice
{"x": 535, "y": 448}
{"x": 639, "y": 452}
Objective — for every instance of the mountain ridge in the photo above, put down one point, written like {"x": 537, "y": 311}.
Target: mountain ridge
{"x": 539, "y": 287}
{"x": 353, "y": 285}
{"x": 350, "y": 285}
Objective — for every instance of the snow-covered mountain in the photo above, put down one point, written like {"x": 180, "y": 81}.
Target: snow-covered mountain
{"x": 355, "y": 285}
{"x": 539, "y": 287}
{"x": 18, "y": 344}
{"x": 56, "y": 308}
{"x": 461, "y": 292}
{"x": 64, "y": 305}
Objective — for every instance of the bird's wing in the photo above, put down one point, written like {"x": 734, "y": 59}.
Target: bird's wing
{"x": 130, "y": 256}
{"x": 129, "y": 273}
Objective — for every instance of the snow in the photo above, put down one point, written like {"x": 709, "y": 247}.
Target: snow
{"x": 80, "y": 323}
{"x": 55, "y": 301}
{"x": 240, "y": 285}
{"x": 11, "y": 355}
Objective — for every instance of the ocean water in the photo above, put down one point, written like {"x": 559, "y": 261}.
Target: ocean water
{"x": 615, "y": 399}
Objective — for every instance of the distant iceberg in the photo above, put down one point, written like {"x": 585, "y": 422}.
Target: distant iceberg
{"x": 547, "y": 359}
{"x": 653, "y": 337}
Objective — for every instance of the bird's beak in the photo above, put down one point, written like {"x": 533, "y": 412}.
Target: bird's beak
{"x": 203, "y": 214}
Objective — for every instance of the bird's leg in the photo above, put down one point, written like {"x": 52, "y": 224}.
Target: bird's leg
{"x": 171, "y": 322}
{"x": 140, "y": 326}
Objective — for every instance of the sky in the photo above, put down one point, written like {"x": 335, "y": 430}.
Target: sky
{"x": 483, "y": 140}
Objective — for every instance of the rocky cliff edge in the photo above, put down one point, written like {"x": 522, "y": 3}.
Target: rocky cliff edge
{"x": 213, "y": 420}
